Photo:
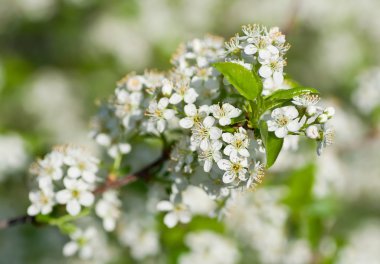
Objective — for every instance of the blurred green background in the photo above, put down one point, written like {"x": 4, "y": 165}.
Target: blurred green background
{"x": 58, "y": 57}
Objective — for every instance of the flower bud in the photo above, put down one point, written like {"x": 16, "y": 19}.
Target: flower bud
{"x": 312, "y": 132}
{"x": 329, "y": 111}
{"x": 323, "y": 118}
{"x": 103, "y": 139}
{"x": 311, "y": 110}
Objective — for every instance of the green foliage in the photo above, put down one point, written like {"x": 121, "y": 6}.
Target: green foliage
{"x": 273, "y": 144}
{"x": 281, "y": 97}
{"x": 246, "y": 82}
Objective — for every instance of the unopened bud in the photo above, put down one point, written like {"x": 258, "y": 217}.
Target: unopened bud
{"x": 323, "y": 118}
{"x": 311, "y": 110}
{"x": 312, "y": 132}
{"x": 329, "y": 111}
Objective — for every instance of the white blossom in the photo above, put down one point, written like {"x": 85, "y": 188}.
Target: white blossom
{"x": 283, "y": 120}
{"x": 193, "y": 115}
{"x": 75, "y": 195}
{"x": 237, "y": 143}
{"x": 159, "y": 113}
{"x": 183, "y": 92}
{"x": 42, "y": 202}
{"x": 81, "y": 243}
{"x": 203, "y": 132}
{"x": 211, "y": 248}
{"x": 81, "y": 164}
{"x": 210, "y": 154}
{"x": 235, "y": 168}
{"x": 225, "y": 113}
{"x": 176, "y": 212}
{"x": 108, "y": 208}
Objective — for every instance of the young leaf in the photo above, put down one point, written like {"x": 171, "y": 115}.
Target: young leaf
{"x": 273, "y": 144}
{"x": 290, "y": 93}
{"x": 246, "y": 82}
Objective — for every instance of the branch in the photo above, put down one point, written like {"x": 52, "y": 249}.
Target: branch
{"x": 110, "y": 184}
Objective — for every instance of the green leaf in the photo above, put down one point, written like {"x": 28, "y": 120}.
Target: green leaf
{"x": 246, "y": 82}
{"x": 301, "y": 185}
{"x": 290, "y": 93}
{"x": 273, "y": 144}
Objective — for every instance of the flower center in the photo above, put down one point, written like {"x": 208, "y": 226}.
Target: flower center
{"x": 282, "y": 120}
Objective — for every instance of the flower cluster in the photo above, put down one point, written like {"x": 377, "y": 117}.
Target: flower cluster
{"x": 304, "y": 117}
{"x": 211, "y": 128}
{"x": 65, "y": 176}
{"x": 264, "y": 48}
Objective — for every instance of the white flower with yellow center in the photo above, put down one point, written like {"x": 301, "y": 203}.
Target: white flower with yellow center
{"x": 177, "y": 212}
{"x": 224, "y": 113}
{"x": 193, "y": 115}
{"x": 48, "y": 169}
{"x": 76, "y": 195}
{"x": 108, "y": 208}
{"x": 81, "y": 243}
{"x": 211, "y": 154}
{"x": 183, "y": 92}
{"x": 135, "y": 83}
{"x": 42, "y": 202}
{"x": 159, "y": 114}
{"x": 283, "y": 120}
{"x": 235, "y": 168}
{"x": 81, "y": 164}
{"x": 203, "y": 132}
{"x": 237, "y": 143}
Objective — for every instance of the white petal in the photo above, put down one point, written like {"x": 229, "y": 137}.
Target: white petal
{"x": 291, "y": 111}
{"x": 228, "y": 150}
{"x": 33, "y": 210}
{"x": 163, "y": 103}
{"x": 250, "y": 49}
{"x": 281, "y": 132}
{"x": 224, "y": 121}
{"x": 169, "y": 114}
{"x": 190, "y": 110}
{"x": 164, "y": 206}
{"x": 272, "y": 125}
{"x": 205, "y": 144}
{"x": 184, "y": 217}
{"x": 227, "y": 137}
{"x": 86, "y": 198}
{"x": 73, "y": 207}
{"x": 215, "y": 133}
{"x": 175, "y": 98}
{"x": 244, "y": 152}
{"x": 208, "y": 121}
{"x": 207, "y": 166}
{"x": 190, "y": 96}
{"x": 265, "y": 71}
{"x": 224, "y": 164}
{"x": 293, "y": 126}
{"x": 124, "y": 148}
{"x": 234, "y": 113}
{"x": 264, "y": 54}
{"x": 109, "y": 224}
{"x": 161, "y": 124}
{"x": 70, "y": 249}
{"x": 228, "y": 177}
{"x": 89, "y": 176}
{"x": 186, "y": 122}
{"x": 63, "y": 196}
{"x": 103, "y": 139}
{"x": 278, "y": 77}
{"x": 170, "y": 220}
{"x": 73, "y": 172}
